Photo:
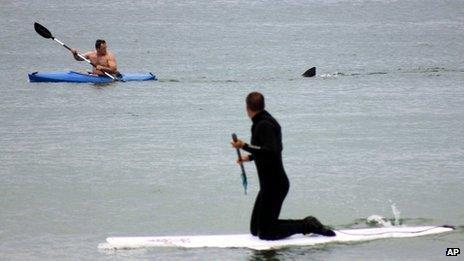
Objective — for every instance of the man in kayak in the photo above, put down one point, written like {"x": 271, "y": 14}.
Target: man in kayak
{"x": 266, "y": 151}
{"x": 101, "y": 57}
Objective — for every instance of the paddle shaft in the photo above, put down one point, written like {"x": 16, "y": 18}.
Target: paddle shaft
{"x": 241, "y": 164}
{"x": 244, "y": 179}
{"x": 78, "y": 54}
{"x": 234, "y": 138}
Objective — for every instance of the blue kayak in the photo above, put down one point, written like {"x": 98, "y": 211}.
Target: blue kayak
{"x": 72, "y": 76}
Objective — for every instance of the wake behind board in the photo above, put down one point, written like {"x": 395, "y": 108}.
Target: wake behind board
{"x": 252, "y": 242}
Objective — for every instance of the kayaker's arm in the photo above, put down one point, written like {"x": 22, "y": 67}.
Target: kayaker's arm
{"x": 76, "y": 56}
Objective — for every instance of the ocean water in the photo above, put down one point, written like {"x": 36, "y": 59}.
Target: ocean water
{"x": 378, "y": 131}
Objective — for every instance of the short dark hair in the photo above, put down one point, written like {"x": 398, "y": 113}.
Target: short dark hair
{"x": 255, "y": 101}
{"x": 99, "y": 42}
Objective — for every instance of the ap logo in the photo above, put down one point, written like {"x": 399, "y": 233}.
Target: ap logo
{"x": 454, "y": 251}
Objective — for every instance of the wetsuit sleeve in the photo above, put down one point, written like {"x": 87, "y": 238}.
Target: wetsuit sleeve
{"x": 267, "y": 137}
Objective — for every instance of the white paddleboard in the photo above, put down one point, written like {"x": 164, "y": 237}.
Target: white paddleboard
{"x": 252, "y": 242}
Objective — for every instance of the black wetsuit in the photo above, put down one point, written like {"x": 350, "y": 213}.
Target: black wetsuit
{"x": 266, "y": 151}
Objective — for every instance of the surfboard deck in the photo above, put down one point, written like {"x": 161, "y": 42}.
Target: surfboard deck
{"x": 252, "y": 242}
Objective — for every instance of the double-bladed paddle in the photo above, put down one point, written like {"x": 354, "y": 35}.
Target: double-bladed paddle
{"x": 45, "y": 33}
{"x": 244, "y": 177}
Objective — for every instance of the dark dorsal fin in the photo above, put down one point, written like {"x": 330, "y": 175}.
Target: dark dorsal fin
{"x": 310, "y": 72}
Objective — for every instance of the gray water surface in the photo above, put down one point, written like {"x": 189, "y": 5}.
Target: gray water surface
{"x": 381, "y": 124}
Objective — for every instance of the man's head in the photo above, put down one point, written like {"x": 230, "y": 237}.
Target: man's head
{"x": 254, "y": 103}
{"x": 100, "y": 46}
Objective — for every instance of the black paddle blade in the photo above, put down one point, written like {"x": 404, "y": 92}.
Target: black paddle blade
{"x": 40, "y": 29}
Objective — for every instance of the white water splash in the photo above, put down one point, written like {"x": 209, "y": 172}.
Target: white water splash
{"x": 396, "y": 214}
{"x": 379, "y": 220}
{"x": 330, "y": 75}
{"x": 383, "y": 221}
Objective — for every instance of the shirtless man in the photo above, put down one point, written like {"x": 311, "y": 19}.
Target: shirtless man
{"x": 103, "y": 59}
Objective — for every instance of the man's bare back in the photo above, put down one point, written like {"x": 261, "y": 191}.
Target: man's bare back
{"x": 103, "y": 59}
